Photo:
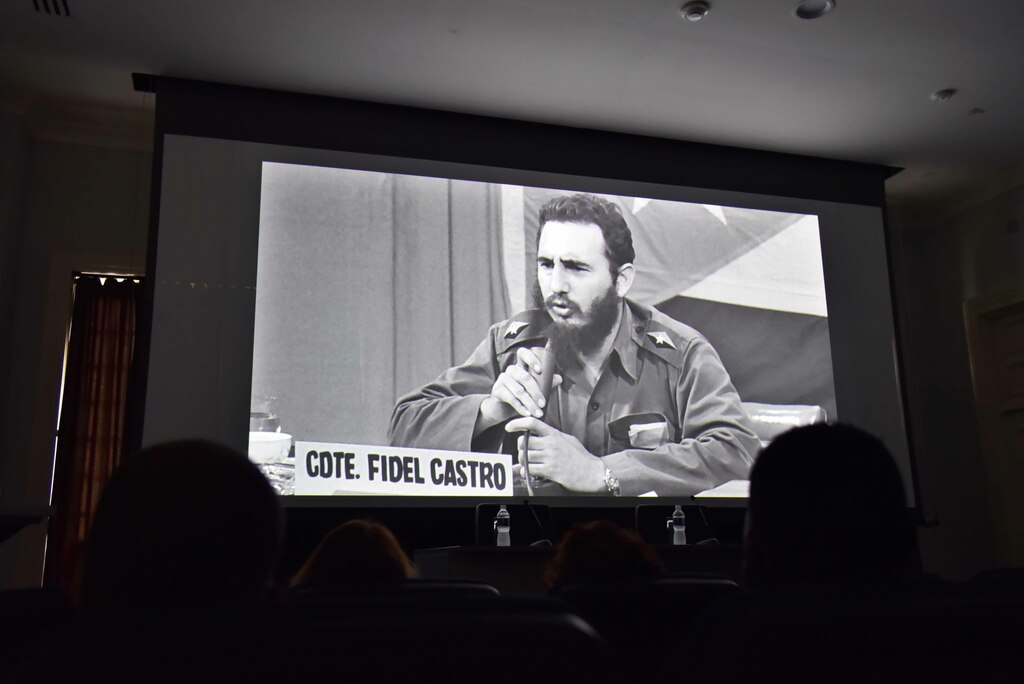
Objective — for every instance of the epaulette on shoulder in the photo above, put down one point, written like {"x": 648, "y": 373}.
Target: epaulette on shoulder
{"x": 667, "y": 338}
{"x": 663, "y": 344}
{"x": 522, "y": 329}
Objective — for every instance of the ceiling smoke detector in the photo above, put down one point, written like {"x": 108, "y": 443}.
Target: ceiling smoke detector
{"x": 814, "y": 9}
{"x": 695, "y": 11}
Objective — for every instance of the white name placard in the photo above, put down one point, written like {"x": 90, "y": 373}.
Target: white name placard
{"x": 329, "y": 469}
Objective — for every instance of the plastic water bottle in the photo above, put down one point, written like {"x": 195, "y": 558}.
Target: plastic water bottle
{"x": 677, "y": 524}
{"x": 503, "y": 527}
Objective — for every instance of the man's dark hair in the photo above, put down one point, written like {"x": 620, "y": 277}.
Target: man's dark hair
{"x": 826, "y": 506}
{"x": 583, "y": 208}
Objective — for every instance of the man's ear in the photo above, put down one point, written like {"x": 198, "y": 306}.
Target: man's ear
{"x": 624, "y": 280}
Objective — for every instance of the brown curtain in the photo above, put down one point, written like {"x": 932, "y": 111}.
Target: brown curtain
{"x": 91, "y": 434}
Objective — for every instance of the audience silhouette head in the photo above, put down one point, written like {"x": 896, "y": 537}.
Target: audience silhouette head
{"x": 602, "y": 551}
{"x": 826, "y": 506}
{"x": 356, "y": 555}
{"x": 182, "y": 523}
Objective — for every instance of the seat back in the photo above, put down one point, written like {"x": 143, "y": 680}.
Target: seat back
{"x": 448, "y": 588}
{"x": 862, "y": 635}
{"x": 397, "y": 639}
{"x": 645, "y": 620}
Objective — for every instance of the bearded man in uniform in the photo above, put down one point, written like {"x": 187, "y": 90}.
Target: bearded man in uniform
{"x": 641, "y": 403}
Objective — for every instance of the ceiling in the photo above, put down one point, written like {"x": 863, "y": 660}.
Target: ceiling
{"x": 852, "y": 85}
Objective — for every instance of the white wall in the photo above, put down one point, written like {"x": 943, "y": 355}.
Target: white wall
{"x": 14, "y": 158}
{"x": 946, "y": 260}
{"x": 82, "y": 207}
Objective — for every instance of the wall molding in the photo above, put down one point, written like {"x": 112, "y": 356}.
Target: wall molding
{"x": 917, "y": 215}
{"x": 77, "y": 122}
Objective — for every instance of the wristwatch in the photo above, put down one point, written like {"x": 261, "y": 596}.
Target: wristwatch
{"x": 611, "y": 482}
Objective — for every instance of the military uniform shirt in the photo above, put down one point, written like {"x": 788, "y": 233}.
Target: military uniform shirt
{"x": 663, "y": 414}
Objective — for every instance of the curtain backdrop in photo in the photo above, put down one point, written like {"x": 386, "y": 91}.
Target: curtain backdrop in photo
{"x": 369, "y": 285}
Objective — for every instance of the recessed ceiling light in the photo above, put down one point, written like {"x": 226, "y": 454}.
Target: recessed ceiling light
{"x": 695, "y": 11}
{"x": 943, "y": 95}
{"x": 813, "y": 9}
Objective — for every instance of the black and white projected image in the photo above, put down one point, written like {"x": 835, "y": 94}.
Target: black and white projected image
{"x": 394, "y": 310}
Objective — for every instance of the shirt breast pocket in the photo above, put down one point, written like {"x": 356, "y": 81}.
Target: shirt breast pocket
{"x": 640, "y": 430}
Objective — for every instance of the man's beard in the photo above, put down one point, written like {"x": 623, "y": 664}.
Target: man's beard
{"x": 569, "y": 340}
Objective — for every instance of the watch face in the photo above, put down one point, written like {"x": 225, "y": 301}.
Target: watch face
{"x": 611, "y": 482}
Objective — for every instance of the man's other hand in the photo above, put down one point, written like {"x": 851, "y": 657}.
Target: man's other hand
{"x": 559, "y": 457}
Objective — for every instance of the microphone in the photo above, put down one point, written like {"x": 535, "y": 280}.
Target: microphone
{"x": 547, "y": 370}
{"x": 547, "y": 375}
